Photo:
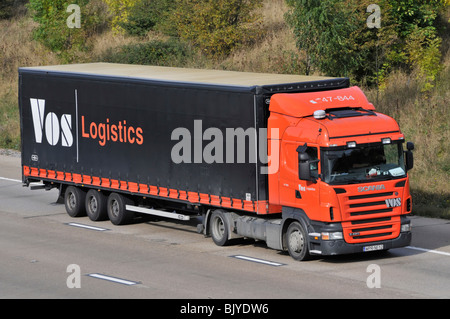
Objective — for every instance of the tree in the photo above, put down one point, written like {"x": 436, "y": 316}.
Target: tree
{"x": 215, "y": 26}
{"x": 335, "y": 38}
{"x": 321, "y": 28}
{"x": 418, "y": 45}
{"x": 337, "y": 42}
{"x": 56, "y": 33}
{"x": 147, "y": 15}
{"x": 120, "y": 10}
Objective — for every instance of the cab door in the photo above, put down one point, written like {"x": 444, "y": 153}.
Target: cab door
{"x": 293, "y": 191}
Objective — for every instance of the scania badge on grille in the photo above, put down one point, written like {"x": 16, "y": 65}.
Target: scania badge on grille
{"x": 371, "y": 188}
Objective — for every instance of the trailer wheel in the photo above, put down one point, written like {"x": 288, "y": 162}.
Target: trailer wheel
{"x": 297, "y": 242}
{"x": 219, "y": 228}
{"x": 116, "y": 208}
{"x": 74, "y": 198}
{"x": 96, "y": 205}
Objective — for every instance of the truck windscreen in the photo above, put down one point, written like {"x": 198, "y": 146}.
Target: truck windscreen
{"x": 363, "y": 163}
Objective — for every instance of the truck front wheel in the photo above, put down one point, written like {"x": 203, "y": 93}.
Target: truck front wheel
{"x": 117, "y": 212}
{"x": 74, "y": 201}
{"x": 297, "y": 242}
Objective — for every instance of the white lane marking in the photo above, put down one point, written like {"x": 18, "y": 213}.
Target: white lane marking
{"x": 17, "y": 181}
{"x": 114, "y": 279}
{"x": 10, "y": 180}
{"x": 87, "y": 227}
{"x": 257, "y": 260}
{"x": 428, "y": 250}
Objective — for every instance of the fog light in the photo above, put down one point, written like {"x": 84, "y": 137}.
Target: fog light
{"x": 351, "y": 144}
{"x": 406, "y": 228}
{"x": 332, "y": 236}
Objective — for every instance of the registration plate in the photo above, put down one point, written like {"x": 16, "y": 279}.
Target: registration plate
{"x": 373, "y": 248}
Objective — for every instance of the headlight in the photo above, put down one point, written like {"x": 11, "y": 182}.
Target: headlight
{"x": 406, "y": 228}
{"x": 332, "y": 236}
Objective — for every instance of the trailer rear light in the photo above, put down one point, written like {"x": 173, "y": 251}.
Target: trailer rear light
{"x": 332, "y": 236}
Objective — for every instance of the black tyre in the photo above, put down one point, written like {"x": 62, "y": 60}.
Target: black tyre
{"x": 219, "y": 228}
{"x": 74, "y": 198}
{"x": 96, "y": 203}
{"x": 117, "y": 212}
{"x": 297, "y": 242}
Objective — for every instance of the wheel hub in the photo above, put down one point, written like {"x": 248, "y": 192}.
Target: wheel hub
{"x": 296, "y": 241}
{"x": 72, "y": 200}
{"x": 93, "y": 204}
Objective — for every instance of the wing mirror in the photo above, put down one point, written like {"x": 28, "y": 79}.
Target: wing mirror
{"x": 409, "y": 156}
{"x": 304, "y": 164}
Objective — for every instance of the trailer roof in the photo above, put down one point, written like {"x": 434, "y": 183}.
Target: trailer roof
{"x": 197, "y": 76}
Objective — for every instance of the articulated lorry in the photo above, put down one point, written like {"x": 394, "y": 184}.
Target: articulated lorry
{"x": 303, "y": 163}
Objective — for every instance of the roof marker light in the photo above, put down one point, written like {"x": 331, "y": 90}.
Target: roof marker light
{"x": 351, "y": 144}
{"x": 319, "y": 114}
{"x": 386, "y": 140}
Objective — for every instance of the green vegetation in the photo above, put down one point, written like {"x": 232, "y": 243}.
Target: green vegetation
{"x": 9, "y": 121}
{"x": 337, "y": 41}
{"x": 53, "y": 30}
{"x": 155, "y": 52}
{"x": 215, "y": 27}
{"x": 148, "y": 15}
{"x": 404, "y": 66}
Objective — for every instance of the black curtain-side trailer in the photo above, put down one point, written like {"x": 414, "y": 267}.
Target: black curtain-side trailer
{"x": 119, "y": 133}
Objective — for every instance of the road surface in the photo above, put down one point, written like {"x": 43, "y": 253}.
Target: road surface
{"x": 44, "y": 253}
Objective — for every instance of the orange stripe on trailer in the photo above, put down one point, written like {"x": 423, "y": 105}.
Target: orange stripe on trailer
{"x": 260, "y": 207}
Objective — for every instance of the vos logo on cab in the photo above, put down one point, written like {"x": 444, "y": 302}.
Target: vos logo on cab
{"x": 393, "y": 202}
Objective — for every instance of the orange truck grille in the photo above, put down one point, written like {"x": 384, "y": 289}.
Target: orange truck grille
{"x": 371, "y": 217}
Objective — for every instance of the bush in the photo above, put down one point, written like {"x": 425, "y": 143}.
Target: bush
{"x": 120, "y": 10}
{"x": 147, "y": 15}
{"x": 9, "y": 121}
{"x": 53, "y": 30}
{"x": 216, "y": 27}
{"x": 162, "y": 53}
{"x": 9, "y": 8}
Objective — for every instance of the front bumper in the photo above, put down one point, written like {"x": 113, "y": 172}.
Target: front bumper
{"x": 340, "y": 247}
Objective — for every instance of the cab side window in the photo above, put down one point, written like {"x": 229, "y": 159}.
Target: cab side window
{"x": 314, "y": 159}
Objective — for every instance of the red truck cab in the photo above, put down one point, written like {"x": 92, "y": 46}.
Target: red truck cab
{"x": 342, "y": 173}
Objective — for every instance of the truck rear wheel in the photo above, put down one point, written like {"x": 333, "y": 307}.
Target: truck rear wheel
{"x": 219, "y": 228}
{"x": 116, "y": 207}
{"x": 297, "y": 241}
{"x": 96, "y": 205}
{"x": 74, "y": 198}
